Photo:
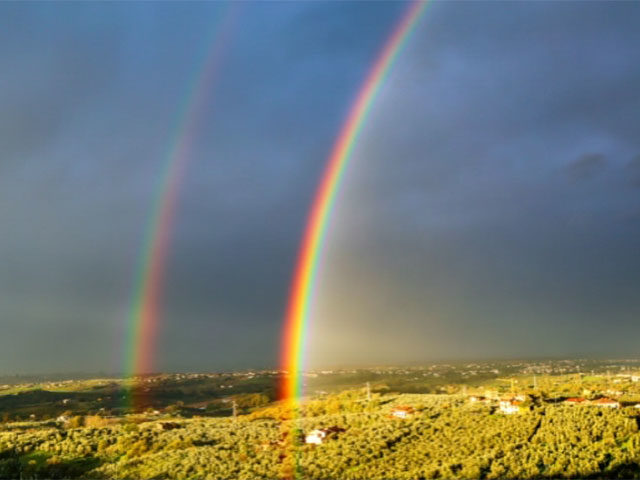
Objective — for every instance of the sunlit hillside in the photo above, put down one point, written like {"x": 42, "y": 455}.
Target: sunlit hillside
{"x": 487, "y": 420}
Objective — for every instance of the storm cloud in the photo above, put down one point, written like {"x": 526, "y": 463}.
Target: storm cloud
{"x": 490, "y": 208}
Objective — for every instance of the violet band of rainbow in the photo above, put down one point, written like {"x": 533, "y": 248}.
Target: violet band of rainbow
{"x": 144, "y": 316}
{"x": 302, "y": 288}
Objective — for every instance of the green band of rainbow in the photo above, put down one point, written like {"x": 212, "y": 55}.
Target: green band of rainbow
{"x": 305, "y": 276}
{"x": 143, "y": 319}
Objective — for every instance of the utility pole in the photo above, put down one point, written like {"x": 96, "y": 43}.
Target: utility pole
{"x": 368, "y": 392}
{"x": 535, "y": 384}
{"x": 234, "y": 405}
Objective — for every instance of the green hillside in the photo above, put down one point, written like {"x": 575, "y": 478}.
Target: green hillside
{"x": 444, "y": 436}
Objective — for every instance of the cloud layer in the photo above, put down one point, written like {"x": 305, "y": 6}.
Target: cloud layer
{"x": 491, "y": 207}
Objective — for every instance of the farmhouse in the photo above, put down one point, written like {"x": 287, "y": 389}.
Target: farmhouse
{"x": 402, "y": 412}
{"x": 606, "y": 402}
{"x": 509, "y": 407}
{"x": 316, "y": 437}
{"x": 575, "y": 401}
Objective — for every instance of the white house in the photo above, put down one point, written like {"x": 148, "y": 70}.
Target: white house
{"x": 315, "y": 437}
{"x": 318, "y": 436}
{"x": 606, "y": 402}
{"x": 509, "y": 407}
{"x": 402, "y": 412}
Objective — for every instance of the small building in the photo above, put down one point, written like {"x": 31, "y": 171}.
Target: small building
{"x": 509, "y": 407}
{"x": 606, "y": 402}
{"x": 316, "y": 437}
{"x": 402, "y": 412}
{"x": 575, "y": 401}
{"x": 63, "y": 419}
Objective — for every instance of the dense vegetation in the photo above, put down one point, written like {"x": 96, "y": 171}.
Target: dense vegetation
{"x": 446, "y": 437}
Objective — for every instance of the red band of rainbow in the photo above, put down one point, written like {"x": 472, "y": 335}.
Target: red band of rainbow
{"x": 305, "y": 275}
{"x": 143, "y": 319}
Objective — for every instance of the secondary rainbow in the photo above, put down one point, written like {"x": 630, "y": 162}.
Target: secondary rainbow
{"x": 143, "y": 319}
{"x": 305, "y": 275}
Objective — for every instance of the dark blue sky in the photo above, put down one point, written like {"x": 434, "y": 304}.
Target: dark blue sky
{"x": 492, "y": 206}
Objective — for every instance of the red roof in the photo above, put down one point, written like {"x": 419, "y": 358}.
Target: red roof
{"x": 575, "y": 400}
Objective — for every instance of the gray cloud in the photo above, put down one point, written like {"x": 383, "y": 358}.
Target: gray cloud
{"x": 458, "y": 230}
{"x": 458, "y": 234}
{"x": 587, "y": 166}
{"x": 633, "y": 171}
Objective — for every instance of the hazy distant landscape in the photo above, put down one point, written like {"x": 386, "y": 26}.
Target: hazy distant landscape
{"x": 571, "y": 418}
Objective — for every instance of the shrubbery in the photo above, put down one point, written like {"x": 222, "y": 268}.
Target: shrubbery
{"x": 445, "y": 438}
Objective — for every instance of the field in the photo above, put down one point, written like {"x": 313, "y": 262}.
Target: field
{"x": 457, "y": 434}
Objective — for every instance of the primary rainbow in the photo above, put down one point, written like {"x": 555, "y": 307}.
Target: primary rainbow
{"x": 305, "y": 275}
{"x": 142, "y": 322}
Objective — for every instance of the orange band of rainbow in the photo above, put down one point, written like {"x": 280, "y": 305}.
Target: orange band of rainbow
{"x": 305, "y": 275}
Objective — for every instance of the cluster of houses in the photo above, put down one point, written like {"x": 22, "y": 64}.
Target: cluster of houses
{"x": 319, "y": 436}
{"x": 600, "y": 402}
{"x": 519, "y": 403}
{"x": 511, "y": 406}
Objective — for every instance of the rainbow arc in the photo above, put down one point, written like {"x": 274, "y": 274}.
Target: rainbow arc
{"x": 144, "y": 318}
{"x": 305, "y": 276}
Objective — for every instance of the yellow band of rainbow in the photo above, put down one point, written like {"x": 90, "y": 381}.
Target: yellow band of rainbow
{"x": 144, "y": 315}
{"x": 305, "y": 275}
